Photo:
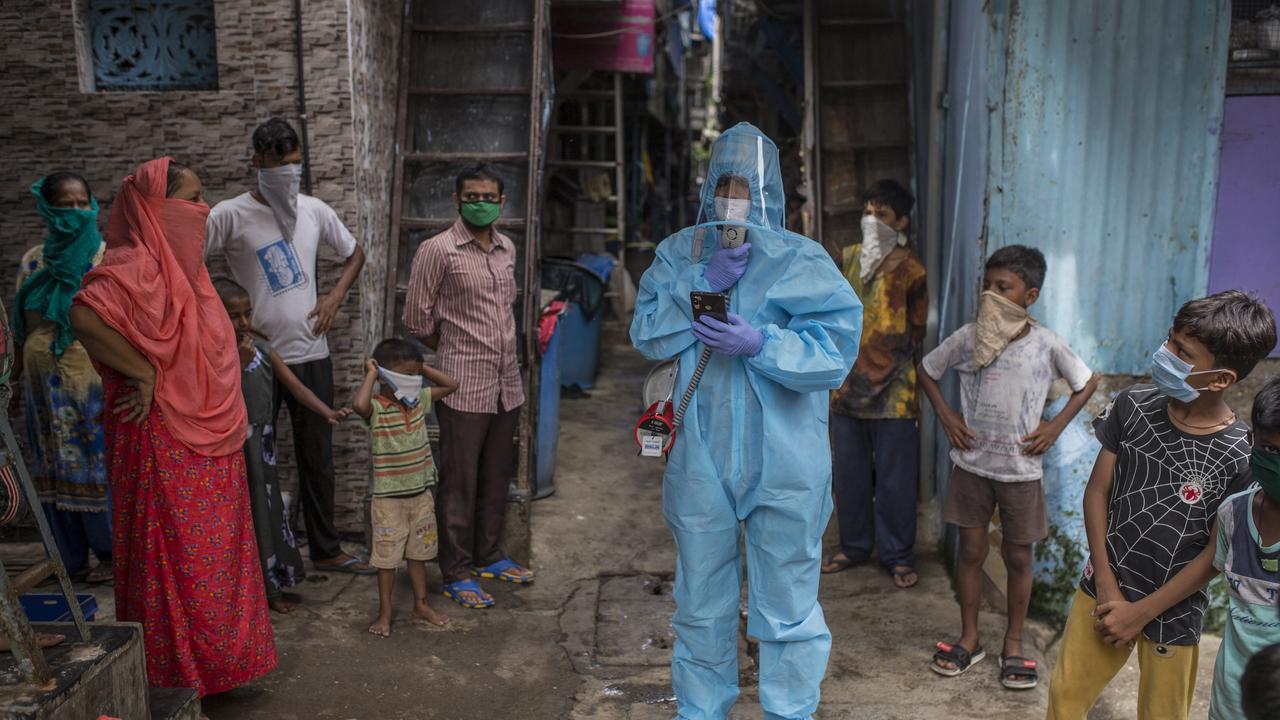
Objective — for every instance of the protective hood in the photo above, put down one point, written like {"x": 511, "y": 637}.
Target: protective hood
{"x": 744, "y": 151}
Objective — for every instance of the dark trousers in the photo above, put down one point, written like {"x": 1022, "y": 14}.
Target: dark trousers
{"x": 313, "y": 451}
{"x": 875, "y": 472}
{"x": 476, "y": 451}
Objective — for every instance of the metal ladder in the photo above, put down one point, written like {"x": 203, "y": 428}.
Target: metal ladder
{"x": 588, "y": 128}
{"x": 13, "y": 620}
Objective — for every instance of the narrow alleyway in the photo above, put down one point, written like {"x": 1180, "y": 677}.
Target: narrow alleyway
{"x": 591, "y": 640}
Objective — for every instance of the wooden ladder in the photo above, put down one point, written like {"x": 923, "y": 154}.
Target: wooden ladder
{"x": 858, "y": 85}
{"x": 475, "y": 83}
{"x": 13, "y": 619}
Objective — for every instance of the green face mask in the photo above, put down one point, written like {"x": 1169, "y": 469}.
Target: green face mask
{"x": 480, "y": 214}
{"x": 1266, "y": 471}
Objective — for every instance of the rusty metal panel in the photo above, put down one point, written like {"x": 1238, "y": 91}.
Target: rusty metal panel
{"x": 1103, "y": 153}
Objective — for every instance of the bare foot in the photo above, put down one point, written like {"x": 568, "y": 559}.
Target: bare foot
{"x": 42, "y": 640}
{"x": 280, "y": 605}
{"x": 430, "y": 614}
{"x": 381, "y": 627}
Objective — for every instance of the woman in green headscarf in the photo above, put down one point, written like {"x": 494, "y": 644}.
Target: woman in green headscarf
{"x": 61, "y": 392}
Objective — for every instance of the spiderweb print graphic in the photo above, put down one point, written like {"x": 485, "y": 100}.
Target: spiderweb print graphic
{"x": 1165, "y": 492}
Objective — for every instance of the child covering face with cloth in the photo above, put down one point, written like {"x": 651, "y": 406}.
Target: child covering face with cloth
{"x": 404, "y": 473}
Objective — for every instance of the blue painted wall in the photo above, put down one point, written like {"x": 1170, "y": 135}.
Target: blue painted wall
{"x": 1103, "y": 153}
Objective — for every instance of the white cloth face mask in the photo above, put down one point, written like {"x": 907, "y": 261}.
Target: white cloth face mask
{"x": 407, "y": 387}
{"x": 279, "y": 186}
{"x": 878, "y": 240}
{"x": 733, "y": 209}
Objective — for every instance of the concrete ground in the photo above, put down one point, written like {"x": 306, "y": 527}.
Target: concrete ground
{"x": 591, "y": 639}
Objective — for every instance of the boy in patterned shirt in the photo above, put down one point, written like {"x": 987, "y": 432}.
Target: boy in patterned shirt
{"x": 1247, "y": 551}
{"x": 403, "y": 507}
{"x": 1172, "y": 451}
{"x": 873, "y": 415}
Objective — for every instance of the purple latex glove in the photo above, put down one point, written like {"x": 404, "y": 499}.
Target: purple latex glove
{"x": 735, "y": 337}
{"x": 726, "y": 266}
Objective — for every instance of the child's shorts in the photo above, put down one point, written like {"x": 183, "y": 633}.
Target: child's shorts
{"x": 972, "y": 500}
{"x": 404, "y": 528}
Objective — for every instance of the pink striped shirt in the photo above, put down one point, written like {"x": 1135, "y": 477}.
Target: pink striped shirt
{"x": 468, "y": 295}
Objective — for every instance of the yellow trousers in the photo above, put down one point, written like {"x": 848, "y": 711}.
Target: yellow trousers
{"x": 1086, "y": 664}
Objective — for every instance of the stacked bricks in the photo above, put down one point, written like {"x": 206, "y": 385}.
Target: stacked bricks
{"x": 351, "y": 71}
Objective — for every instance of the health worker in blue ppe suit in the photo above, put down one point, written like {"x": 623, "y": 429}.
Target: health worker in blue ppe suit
{"x": 752, "y": 453}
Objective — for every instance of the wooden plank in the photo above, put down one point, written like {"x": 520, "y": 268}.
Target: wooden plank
{"x": 584, "y": 129}
{"x": 474, "y": 29}
{"x": 594, "y": 94}
{"x": 426, "y": 90}
{"x": 397, "y": 181}
{"x": 33, "y": 575}
{"x": 465, "y": 157}
{"x": 420, "y": 223}
{"x": 860, "y": 84}
{"x": 852, "y": 22}
{"x": 604, "y": 164}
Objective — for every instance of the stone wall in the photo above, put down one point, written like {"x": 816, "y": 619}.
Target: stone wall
{"x": 351, "y": 78}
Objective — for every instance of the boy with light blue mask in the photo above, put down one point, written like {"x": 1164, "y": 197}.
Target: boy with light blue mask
{"x": 1172, "y": 452}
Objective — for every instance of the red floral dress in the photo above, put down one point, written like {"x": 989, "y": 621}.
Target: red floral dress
{"x": 186, "y": 561}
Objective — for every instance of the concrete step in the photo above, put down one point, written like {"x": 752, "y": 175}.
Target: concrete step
{"x": 174, "y": 704}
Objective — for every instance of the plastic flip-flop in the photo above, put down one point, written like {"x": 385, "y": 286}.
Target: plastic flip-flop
{"x": 454, "y": 591}
{"x": 501, "y": 570}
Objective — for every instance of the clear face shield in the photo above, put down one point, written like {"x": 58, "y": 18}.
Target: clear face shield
{"x": 743, "y": 190}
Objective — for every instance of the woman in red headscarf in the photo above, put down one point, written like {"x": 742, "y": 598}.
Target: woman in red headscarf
{"x": 186, "y": 562}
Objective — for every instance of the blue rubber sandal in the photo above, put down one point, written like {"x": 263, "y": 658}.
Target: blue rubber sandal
{"x": 501, "y": 570}
{"x": 454, "y": 591}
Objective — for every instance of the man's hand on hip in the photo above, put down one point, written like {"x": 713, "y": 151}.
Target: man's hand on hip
{"x": 325, "y": 310}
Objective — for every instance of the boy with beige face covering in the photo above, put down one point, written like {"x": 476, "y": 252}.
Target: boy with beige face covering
{"x": 1006, "y": 364}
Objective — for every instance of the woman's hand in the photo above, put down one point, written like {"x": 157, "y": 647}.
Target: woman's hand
{"x": 136, "y": 406}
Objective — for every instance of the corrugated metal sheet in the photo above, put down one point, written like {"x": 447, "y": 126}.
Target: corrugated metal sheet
{"x": 1103, "y": 154}
{"x": 963, "y": 195}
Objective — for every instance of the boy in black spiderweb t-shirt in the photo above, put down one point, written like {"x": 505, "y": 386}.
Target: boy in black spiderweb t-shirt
{"x": 1171, "y": 452}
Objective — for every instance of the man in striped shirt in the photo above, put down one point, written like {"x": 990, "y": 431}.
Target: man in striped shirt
{"x": 462, "y": 289}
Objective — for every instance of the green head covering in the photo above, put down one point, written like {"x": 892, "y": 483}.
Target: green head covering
{"x": 68, "y": 253}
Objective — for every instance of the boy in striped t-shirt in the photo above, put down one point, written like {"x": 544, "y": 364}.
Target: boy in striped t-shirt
{"x": 404, "y": 521}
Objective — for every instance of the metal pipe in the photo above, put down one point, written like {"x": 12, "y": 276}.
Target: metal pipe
{"x": 302, "y": 96}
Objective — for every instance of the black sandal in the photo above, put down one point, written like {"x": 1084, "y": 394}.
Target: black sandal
{"x": 897, "y": 574}
{"x": 841, "y": 565}
{"x": 957, "y": 655}
{"x": 1022, "y": 670}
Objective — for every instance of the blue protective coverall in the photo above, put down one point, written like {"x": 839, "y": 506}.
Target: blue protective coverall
{"x": 753, "y": 450}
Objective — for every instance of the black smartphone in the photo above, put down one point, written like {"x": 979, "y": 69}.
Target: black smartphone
{"x": 710, "y": 303}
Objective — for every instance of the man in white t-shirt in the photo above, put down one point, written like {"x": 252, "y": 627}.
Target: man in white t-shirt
{"x": 270, "y": 237}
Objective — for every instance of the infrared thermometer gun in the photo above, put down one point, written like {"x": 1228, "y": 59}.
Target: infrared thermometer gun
{"x": 732, "y": 236}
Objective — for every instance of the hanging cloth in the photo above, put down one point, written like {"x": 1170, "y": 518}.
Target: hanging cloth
{"x": 152, "y": 287}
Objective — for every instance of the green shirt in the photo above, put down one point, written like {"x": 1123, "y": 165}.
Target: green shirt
{"x": 402, "y": 462}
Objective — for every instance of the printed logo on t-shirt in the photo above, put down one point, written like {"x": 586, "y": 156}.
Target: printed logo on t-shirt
{"x": 281, "y": 267}
{"x": 1191, "y": 492}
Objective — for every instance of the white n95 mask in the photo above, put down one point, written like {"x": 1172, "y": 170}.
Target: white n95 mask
{"x": 733, "y": 209}
{"x": 407, "y": 387}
